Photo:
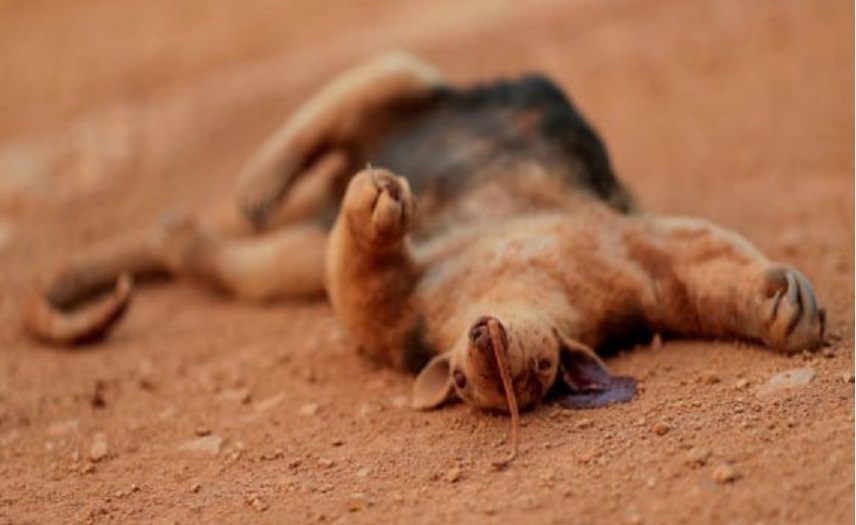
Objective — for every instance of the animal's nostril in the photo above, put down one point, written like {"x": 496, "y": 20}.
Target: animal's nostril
{"x": 478, "y": 331}
{"x": 460, "y": 379}
{"x": 544, "y": 365}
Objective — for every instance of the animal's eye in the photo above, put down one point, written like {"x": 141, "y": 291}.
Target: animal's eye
{"x": 544, "y": 365}
{"x": 460, "y": 379}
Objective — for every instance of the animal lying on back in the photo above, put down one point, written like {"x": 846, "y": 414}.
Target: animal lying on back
{"x": 524, "y": 260}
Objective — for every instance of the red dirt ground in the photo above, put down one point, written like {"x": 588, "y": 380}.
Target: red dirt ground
{"x": 110, "y": 112}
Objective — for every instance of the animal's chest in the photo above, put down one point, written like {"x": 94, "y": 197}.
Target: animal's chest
{"x": 570, "y": 262}
{"x": 502, "y": 150}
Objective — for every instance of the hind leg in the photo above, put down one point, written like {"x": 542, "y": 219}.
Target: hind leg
{"x": 341, "y": 121}
{"x": 284, "y": 263}
{"x": 713, "y": 283}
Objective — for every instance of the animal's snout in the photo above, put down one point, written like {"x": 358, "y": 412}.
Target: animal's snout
{"x": 482, "y": 354}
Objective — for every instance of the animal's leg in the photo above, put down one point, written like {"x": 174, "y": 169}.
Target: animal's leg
{"x": 713, "y": 283}
{"x": 283, "y": 263}
{"x": 341, "y": 121}
{"x": 84, "y": 300}
{"x": 370, "y": 270}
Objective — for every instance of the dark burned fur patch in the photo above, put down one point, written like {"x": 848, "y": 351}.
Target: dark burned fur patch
{"x": 416, "y": 351}
{"x": 466, "y": 135}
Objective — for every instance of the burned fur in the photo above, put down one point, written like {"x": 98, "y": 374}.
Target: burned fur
{"x": 493, "y": 202}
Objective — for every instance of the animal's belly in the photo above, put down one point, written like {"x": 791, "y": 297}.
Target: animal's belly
{"x": 571, "y": 265}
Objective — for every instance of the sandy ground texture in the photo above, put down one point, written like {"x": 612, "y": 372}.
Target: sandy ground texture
{"x": 203, "y": 410}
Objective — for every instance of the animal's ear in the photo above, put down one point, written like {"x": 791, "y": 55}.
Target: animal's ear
{"x": 433, "y": 385}
{"x": 584, "y": 382}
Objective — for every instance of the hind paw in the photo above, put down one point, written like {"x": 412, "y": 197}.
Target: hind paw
{"x": 793, "y": 321}
{"x": 379, "y": 207}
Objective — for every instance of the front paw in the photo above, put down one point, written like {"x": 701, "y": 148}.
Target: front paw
{"x": 793, "y": 321}
{"x": 378, "y": 207}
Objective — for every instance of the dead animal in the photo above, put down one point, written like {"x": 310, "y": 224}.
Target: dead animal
{"x": 524, "y": 261}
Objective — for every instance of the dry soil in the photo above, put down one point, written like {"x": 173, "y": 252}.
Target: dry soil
{"x": 203, "y": 410}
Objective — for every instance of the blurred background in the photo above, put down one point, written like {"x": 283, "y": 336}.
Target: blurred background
{"x": 97, "y": 93}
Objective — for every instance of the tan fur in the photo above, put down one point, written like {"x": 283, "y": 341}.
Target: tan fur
{"x": 290, "y": 178}
{"x": 548, "y": 276}
{"x": 557, "y": 272}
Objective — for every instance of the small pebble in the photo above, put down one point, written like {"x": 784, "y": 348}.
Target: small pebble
{"x": 257, "y": 503}
{"x": 788, "y": 379}
{"x": 270, "y": 402}
{"x": 357, "y": 502}
{"x": 99, "y": 449}
{"x": 741, "y": 384}
{"x": 239, "y": 395}
{"x": 309, "y": 409}
{"x": 195, "y": 488}
{"x": 661, "y": 428}
{"x": 202, "y": 430}
{"x": 453, "y": 475}
{"x": 209, "y": 444}
{"x": 725, "y": 473}
{"x": 325, "y": 462}
{"x": 710, "y": 379}
{"x": 697, "y": 457}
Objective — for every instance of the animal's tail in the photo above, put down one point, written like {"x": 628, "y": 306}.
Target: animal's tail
{"x": 85, "y": 300}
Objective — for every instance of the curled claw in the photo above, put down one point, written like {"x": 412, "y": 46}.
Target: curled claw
{"x": 378, "y": 206}
{"x": 795, "y": 321}
{"x": 88, "y": 323}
